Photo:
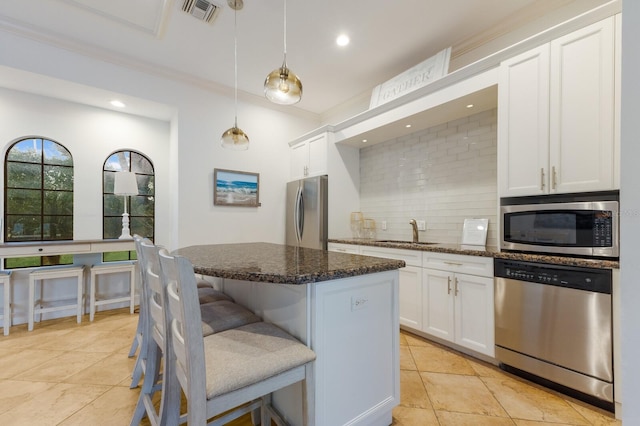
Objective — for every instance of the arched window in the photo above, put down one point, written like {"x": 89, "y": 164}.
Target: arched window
{"x": 141, "y": 207}
{"x": 38, "y": 200}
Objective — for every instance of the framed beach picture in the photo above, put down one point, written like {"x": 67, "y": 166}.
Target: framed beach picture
{"x": 235, "y": 188}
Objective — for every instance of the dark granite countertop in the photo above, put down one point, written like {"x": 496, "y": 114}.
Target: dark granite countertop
{"x": 276, "y": 263}
{"x": 486, "y": 252}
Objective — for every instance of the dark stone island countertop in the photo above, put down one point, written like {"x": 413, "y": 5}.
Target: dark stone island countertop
{"x": 486, "y": 252}
{"x": 276, "y": 263}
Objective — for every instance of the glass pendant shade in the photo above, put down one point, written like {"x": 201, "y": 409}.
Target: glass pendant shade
{"x": 235, "y": 139}
{"x": 282, "y": 86}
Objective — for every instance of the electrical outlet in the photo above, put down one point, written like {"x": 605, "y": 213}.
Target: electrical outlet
{"x": 422, "y": 225}
{"x": 358, "y": 302}
{"x": 383, "y": 225}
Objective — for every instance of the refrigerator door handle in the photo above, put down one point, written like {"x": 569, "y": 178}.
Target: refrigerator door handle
{"x": 300, "y": 222}
{"x": 297, "y": 213}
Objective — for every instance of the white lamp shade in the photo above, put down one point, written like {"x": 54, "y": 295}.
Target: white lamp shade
{"x": 125, "y": 183}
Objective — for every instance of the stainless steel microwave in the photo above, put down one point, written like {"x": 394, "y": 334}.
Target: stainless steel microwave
{"x": 580, "y": 225}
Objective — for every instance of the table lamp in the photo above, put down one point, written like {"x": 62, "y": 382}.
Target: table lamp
{"x": 125, "y": 184}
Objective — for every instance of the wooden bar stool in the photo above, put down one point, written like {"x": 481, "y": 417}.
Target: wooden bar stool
{"x": 36, "y": 306}
{"x": 5, "y": 280}
{"x": 128, "y": 267}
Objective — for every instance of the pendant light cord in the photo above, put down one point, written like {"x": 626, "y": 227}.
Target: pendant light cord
{"x": 285, "y": 32}
{"x": 235, "y": 63}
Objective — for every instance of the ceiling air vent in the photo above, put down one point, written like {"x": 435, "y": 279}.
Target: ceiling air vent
{"x": 204, "y": 10}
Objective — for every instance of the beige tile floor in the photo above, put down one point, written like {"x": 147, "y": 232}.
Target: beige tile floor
{"x": 64, "y": 373}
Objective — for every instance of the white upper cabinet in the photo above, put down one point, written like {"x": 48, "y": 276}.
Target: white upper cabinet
{"x": 523, "y": 123}
{"x": 556, "y": 107}
{"x": 582, "y": 109}
{"x": 316, "y": 154}
{"x": 309, "y": 157}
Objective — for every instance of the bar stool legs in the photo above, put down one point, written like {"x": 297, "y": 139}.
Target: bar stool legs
{"x": 111, "y": 268}
{"x": 5, "y": 280}
{"x": 47, "y": 273}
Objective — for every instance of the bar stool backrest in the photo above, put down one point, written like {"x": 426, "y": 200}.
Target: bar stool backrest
{"x": 140, "y": 340}
{"x": 155, "y": 295}
{"x": 184, "y": 329}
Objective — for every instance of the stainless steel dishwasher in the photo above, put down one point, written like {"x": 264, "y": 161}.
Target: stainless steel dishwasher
{"x": 553, "y": 325}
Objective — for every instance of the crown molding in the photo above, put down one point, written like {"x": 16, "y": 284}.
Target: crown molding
{"x": 528, "y": 23}
{"x": 518, "y": 19}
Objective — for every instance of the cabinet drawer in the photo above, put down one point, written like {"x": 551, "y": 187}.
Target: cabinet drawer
{"x": 474, "y": 265}
{"x": 344, "y": 248}
{"x": 410, "y": 257}
{"x": 19, "y": 250}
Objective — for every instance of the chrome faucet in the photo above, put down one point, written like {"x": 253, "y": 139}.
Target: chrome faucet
{"x": 414, "y": 224}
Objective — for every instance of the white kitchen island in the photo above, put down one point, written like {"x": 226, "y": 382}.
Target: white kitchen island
{"x": 343, "y": 306}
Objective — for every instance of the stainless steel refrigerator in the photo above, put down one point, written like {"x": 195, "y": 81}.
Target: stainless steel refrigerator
{"x": 307, "y": 212}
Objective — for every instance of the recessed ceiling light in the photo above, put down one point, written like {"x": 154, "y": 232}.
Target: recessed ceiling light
{"x": 118, "y": 104}
{"x": 407, "y": 126}
{"x": 470, "y": 106}
{"x": 342, "y": 40}
{"x": 364, "y": 141}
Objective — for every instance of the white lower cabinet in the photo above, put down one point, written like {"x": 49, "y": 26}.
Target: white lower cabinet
{"x": 456, "y": 306}
{"x": 410, "y": 282}
{"x": 437, "y": 302}
{"x": 352, "y": 326}
{"x": 447, "y": 296}
{"x": 410, "y": 297}
{"x": 474, "y": 315}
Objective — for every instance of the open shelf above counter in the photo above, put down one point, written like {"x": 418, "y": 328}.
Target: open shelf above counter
{"x": 447, "y": 104}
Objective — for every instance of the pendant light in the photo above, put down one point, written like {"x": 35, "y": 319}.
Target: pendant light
{"x": 282, "y": 86}
{"x": 234, "y": 138}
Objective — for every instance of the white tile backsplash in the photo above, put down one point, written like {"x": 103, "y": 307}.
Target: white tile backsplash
{"x": 442, "y": 175}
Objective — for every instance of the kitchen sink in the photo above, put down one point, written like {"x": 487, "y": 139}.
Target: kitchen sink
{"x": 403, "y": 242}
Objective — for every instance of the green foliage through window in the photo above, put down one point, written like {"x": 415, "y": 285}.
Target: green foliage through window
{"x": 141, "y": 207}
{"x": 38, "y": 200}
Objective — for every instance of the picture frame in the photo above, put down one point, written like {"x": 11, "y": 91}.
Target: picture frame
{"x": 236, "y": 188}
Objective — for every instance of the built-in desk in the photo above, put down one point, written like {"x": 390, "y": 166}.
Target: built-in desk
{"x": 92, "y": 248}
{"x": 51, "y": 248}
{"x": 343, "y": 306}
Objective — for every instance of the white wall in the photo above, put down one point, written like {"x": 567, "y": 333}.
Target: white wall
{"x": 443, "y": 175}
{"x": 184, "y": 149}
{"x": 91, "y": 135}
{"x": 630, "y": 214}
{"x": 202, "y": 115}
